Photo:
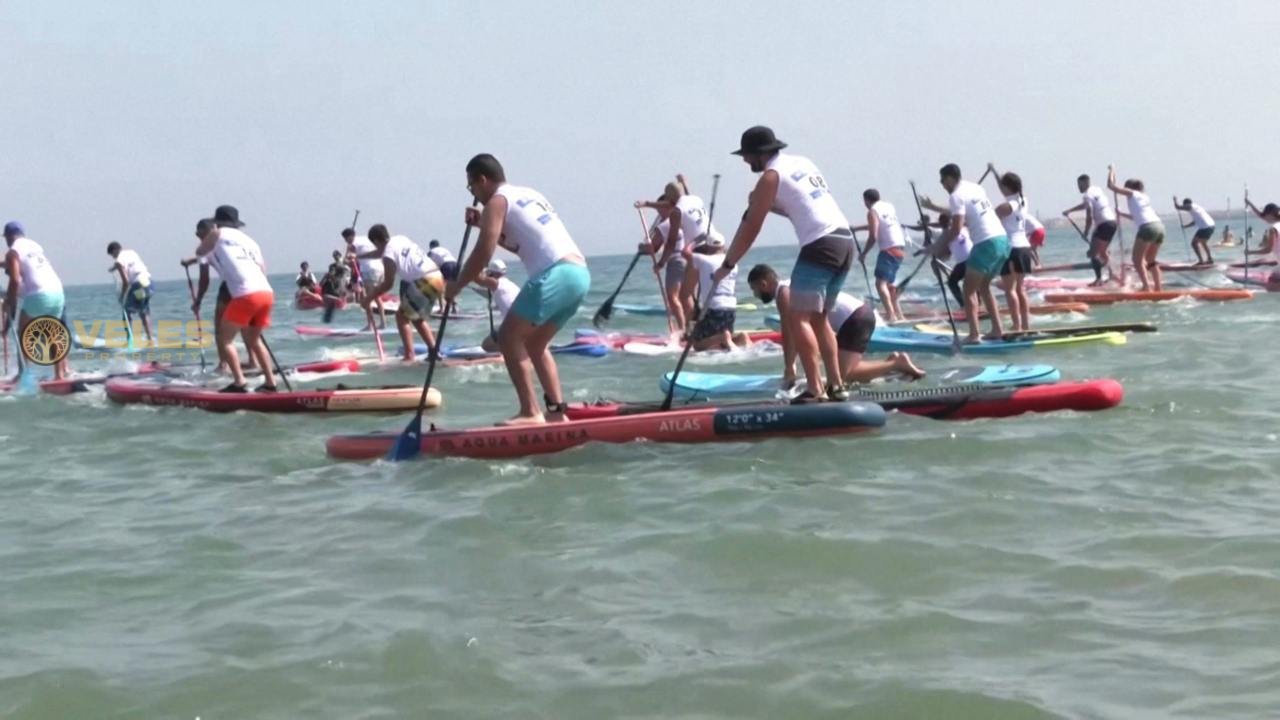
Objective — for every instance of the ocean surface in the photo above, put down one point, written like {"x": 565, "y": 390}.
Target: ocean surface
{"x": 171, "y": 563}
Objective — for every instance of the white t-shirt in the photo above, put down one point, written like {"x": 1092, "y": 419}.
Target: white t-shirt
{"x": 238, "y": 260}
{"x": 134, "y": 269}
{"x": 693, "y": 219}
{"x": 845, "y": 306}
{"x": 441, "y": 255}
{"x": 1140, "y": 209}
{"x": 1029, "y": 223}
{"x": 370, "y": 268}
{"x": 960, "y": 247}
{"x": 1098, "y": 205}
{"x": 533, "y": 230}
{"x": 1015, "y": 223}
{"x": 725, "y": 295}
{"x": 889, "y": 233}
{"x": 1202, "y": 219}
{"x": 409, "y": 259}
{"x": 970, "y": 202}
{"x": 35, "y": 272}
{"x": 804, "y": 199}
{"x": 504, "y": 297}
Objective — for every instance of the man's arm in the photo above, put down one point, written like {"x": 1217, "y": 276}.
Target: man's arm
{"x": 873, "y": 227}
{"x": 758, "y": 205}
{"x": 788, "y": 339}
{"x": 11, "y": 295}
{"x": 490, "y": 220}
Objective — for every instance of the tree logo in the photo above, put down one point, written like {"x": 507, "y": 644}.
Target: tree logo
{"x": 46, "y": 341}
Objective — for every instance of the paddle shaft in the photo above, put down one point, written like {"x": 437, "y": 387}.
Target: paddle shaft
{"x": 196, "y": 311}
{"x": 657, "y": 276}
{"x": 272, "y": 354}
{"x": 862, "y": 260}
{"x": 1178, "y": 209}
{"x": 368, "y": 311}
{"x": 492, "y": 333}
{"x": 1115, "y": 198}
{"x": 1246, "y": 233}
{"x": 946, "y": 303}
{"x": 1079, "y": 232}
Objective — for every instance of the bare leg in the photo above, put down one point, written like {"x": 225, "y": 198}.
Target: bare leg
{"x": 1139, "y": 252}
{"x": 512, "y": 338}
{"x": 1008, "y": 283}
{"x": 827, "y": 346}
{"x": 1149, "y": 258}
{"x": 218, "y": 309}
{"x": 983, "y": 288}
{"x": 544, "y": 364}
{"x": 857, "y": 370}
{"x": 428, "y": 337}
{"x": 1024, "y": 302}
{"x": 406, "y": 338}
{"x": 258, "y": 349}
{"x": 806, "y": 349}
{"x": 971, "y": 280}
{"x": 227, "y": 342}
{"x": 675, "y": 307}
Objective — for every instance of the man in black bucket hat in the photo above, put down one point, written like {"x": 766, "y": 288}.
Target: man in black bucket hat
{"x": 227, "y": 216}
{"x": 792, "y": 186}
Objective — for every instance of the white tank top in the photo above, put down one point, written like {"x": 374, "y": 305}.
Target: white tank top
{"x": 504, "y": 297}
{"x": 804, "y": 199}
{"x": 533, "y": 230}
{"x": 238, "y": 260}
{"x": 889, "y": 232}
{"x": 960, "y": 247}
{"x": 35, "y": 272}
{"x": 1202, "y": 219}
{"x": 693, "y": 220}
{"x": 411, "y": 262}
{"x": 134, "y": 268}
{"x": 441, "y": 255}
{"x": 1098, "y": 205}
{"x": 1140, "y": 209}
{"x": 970, "y": 202}
{"x": 370, "y": 268}
{"x": 1015, "y": 223}
{"x": 724, "y": 296}
{"x": 663, "y": 228}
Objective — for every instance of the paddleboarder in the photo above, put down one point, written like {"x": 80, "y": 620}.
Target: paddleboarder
{"x": 851, "y": 320}
{"x": 1150, "y": 234}
{"x": 794, "y": 187}
{"x": 522, "y": 221}
{"x": 969, "y": 207}
{"x": 1204, "y": 225}
{"x": 33, "y": 280}
{"x": 1035, "y": 233}
{"x": 445, "y": 260}
{"x": 1270, "y": 247}
{"x": 495, "y": 284}
{"x": 366, "y": 260}
{"x": 238, "y": 260}
{"x": 714, "y": 329}
{"x": 1013, "y": 215}
{"x": 421, "y": 286}
{"x": 670, "y": 238}
{"x": 306, "y": 280}
{"x": 884, "y": 229}
{"x": 1101, "y": 217}
{"x": 135, "y": 284}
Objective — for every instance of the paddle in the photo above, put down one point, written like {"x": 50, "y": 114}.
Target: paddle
{"x": 1178, "y": 209}
{"x": 606, "y": 310}
{"x": 1078, "y": 230}
{"x": 492, "y": 333}
{"x": 368, "y": 312}
{"x": 192, "y": 290}
{"x": 1115, "y": 198}
{"x": 124, "y": 315}
{"x": 946, "y": 303}
{"x": 409, "y": 444}
{"x": 1246, "y": 233}
{"x": 271, "y": 353}
{"x": 688, "y": 330}
{"x": 862, "y": 260}
{"x": 657, "y": 276}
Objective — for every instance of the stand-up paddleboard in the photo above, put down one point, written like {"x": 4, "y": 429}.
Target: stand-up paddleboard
{"x": 1054, "y": 283}
{"x": 715, "y": 386}
{"x": 476, "y": 352}
{"x": 1065, "y": 331}
{"x": 1255, "y": 277}
{"x": 1190, "y": 267}
{"x": 1107, "y": 298}
{"x": 1254, "y": 264}
{"x": 81, "y": 382}
{"x": 340, "y": 399}
{"x": 1061, "y": 268}
{"x": 755, "y": 350}
{"x": 947, "y": 402}
{"x": 636, "y": 309}
{"x": 694, "y": 425}
{"x": 307, "y": 300}
{"x": 891, "y": 339}
{"x": 617, "y": 339}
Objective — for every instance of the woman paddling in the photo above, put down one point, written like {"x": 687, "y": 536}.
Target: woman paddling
{"x": 714, "y": 328}
{"x": 1012, "y": 214}
{"x": 1150, "y": 235}
{"x": 1270, "y": 249}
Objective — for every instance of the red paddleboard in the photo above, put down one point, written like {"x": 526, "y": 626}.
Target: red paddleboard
{"x": 963, "y": 402}
{"x": 696, "y": 425}
{"x": 81, "y": 383}
{"x": 616, "y": 340}
{"x": 1106, "y": 298}
{"x": 385, "y": 399}
{"x": 305, "y": 300}
{"x": 1257, "y": 276}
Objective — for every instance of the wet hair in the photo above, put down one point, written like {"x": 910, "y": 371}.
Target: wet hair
{"x": 1186, "y": 202}
{"x": 378, "y": 233}
{"x": 433, "y": 244}
{"x": 337, "y": 254}
{"x": 204, "y": 226}
{"x": 304, "y": 264}
{"x": 761, "y": 273}
{"x": 1271, "y": 209}
{"x": 871, "y": 195}
{"x": 486, "y": 166}
{"x": 348, "y": 232}
{"x": 113, "y": 248}
{"x": 944, "y": 219}
{"x": 1134, "y": 184}
{"x": 1013, "y": 182}
{"x": 1083, "y": 178}
{"x": 950, "y": 170}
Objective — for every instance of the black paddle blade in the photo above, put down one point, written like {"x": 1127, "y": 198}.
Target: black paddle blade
{"x": 603, "y": 315}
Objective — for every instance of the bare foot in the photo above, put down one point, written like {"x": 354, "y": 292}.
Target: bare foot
{"x": 518, "y": 420}
{"x": 903, "y": 364}
{"x": 971, "y": 340}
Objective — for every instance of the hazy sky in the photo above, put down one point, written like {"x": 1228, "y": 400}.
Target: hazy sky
{"x": 129, "y": 120}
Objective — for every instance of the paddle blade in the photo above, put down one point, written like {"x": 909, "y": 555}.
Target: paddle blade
{"x": 409, "y": 444}
{"x": 603, "y": 314}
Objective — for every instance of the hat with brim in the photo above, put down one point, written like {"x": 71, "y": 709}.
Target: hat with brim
{"x": 758, "y": 140}
{"x": 227, "y": 216}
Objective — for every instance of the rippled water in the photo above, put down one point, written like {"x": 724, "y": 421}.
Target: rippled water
{"x": 173, "y": 563}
